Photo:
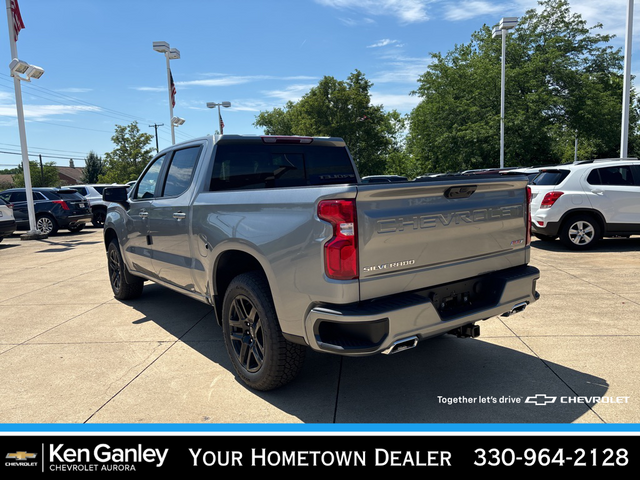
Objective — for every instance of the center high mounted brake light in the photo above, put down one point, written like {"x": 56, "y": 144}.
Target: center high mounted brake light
{"x": 288, "y": 140}
{"x": 341, "y": 252}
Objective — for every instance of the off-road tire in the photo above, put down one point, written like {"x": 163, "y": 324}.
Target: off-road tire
{"x": 261, "y": 356}
{"x": 124, "y": 285}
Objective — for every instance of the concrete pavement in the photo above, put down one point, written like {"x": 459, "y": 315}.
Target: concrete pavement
{"x": 73, "y": 354}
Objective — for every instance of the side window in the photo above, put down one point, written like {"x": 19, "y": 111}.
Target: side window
{"x": 18, "y": 197}
{"x": 147, "y": 184}
{"x": 611, "y": 176}
{"x": 80, "y": 190}
{"x": 181, "y": 171}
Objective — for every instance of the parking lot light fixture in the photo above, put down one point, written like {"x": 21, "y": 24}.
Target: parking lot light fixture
{"x": 17, "y": 68}
{"x": 221, "y": 104}
{"x": 169, "y": 54}
{"x": 500, "y": 30}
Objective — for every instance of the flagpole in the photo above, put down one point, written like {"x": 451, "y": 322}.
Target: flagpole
{"x": 33, "y": 232}
{"x": 173, "y": 132}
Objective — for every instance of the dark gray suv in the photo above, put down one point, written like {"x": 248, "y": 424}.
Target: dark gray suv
{"x": 55, "y": 208}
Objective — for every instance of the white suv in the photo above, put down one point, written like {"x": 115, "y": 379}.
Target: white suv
{"x": 93, "y": 193}
{"x": 585, "y": 201}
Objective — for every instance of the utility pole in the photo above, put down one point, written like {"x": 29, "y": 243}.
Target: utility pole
{"x": 41, "y": 171}
{"x": 155, "y": 125}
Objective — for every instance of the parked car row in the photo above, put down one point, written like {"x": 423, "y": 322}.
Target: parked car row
{"x": 54, "y": 208}
{"x": 69, "y": 207}
{"x": 7, "y": 222}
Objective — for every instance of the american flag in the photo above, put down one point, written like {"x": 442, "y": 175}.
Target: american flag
{"x": 221, "y": 123}
{"x": 173, "y": 90}
{"x": 18, "y": 24}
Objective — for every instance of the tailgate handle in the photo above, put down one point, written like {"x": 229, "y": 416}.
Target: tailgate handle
{"x": 460, "y": 192}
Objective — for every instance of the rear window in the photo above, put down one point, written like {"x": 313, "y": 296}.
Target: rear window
{"x": 65, "y": 195}
{"x": 251, "y": 166}
{"x": 550, "y": 177}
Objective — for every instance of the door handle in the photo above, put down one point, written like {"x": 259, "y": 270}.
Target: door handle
{"x": 144, "y": 213}
{"x": 597, "y": 191}
{"x": 179, "y": 215}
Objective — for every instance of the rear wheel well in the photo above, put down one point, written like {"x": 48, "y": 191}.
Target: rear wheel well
{"x": 228, "y": 266}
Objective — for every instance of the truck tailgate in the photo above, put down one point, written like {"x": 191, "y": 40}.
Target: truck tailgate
{"x": 413, "y": 236}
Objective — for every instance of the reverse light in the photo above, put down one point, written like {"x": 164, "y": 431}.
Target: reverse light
{"x": 550, "y": 198}
{"x": 62, "y": 203}
{"x": 341, "y": 252}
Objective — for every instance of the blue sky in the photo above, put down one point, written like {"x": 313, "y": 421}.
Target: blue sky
{"x": 101, "y": 70}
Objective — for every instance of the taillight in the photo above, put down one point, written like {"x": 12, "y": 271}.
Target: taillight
{"x": 341, "y": 252}
{"x": 62, "y": 203}
{"x": 528, "y": 217}
{"x": 550, "y": 198}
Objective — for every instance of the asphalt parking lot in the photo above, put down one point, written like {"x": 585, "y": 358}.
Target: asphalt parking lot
{"x": 73, "y": 354}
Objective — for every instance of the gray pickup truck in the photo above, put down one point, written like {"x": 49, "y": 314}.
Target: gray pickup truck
{"x": 279, "y": 235}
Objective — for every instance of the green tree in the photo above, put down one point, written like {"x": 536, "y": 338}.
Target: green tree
{"x": 45, "y": 177}
{"x": 93, "y": 168}
{"x": 562, "y": 81}
{"x": 132, "y": 153}
{"x": 343, "y": 109}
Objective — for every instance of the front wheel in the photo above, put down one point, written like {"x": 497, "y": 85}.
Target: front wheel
{"x": 260, "y": 354}
{"x": 580, "y": 232}
{"x": 124, "y": 285}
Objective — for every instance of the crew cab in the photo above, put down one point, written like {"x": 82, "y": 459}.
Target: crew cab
{"x": 279, "y": 235}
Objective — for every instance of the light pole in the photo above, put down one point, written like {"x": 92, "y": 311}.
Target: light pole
{"x": 624, "y": 136}
{"x": 500, "y": 30}
{"x": 19, "y": 68}
{"x": 222, "y": 104}
{"x": 170, "y": 54}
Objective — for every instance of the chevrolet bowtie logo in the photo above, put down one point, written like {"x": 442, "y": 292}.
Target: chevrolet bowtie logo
{"x": 540, "y": 399}
{"x": 20, "y": 455}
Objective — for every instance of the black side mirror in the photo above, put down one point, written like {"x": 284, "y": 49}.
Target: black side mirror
{"x": 116, "y": 195}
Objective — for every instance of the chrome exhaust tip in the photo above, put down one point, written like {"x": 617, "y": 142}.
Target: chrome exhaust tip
{"x": 401, "y": 345}
{"x": 517, "y": 308}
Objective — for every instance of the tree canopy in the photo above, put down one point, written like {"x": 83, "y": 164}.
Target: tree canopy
{"x": 562, "y": 81}
{"x": 338, "y": 108}
{"x": 131, "y": 154}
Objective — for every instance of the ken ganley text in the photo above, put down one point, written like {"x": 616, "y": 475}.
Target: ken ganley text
{"x": 261, "y": 457}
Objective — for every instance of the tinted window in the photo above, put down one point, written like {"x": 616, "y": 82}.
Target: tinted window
{"x": 19, "y": 197}
{"x": 80, "y": 190}
{"x": 611, "y": 176}
{"x": 181, "y": 171}
{"x": 550, "y": 177}
{"x": 249, "y": 166}
{"x": 99, "y": 189}
{"x": 147, "y": 184}
{"x": 69, "y": 195}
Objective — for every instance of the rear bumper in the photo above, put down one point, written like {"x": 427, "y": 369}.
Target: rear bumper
{"x": 73, "y": 220}
{"x": 549, "y": 229}
{"x": 376, "y": 326}
{"x": 7, "y": 227}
